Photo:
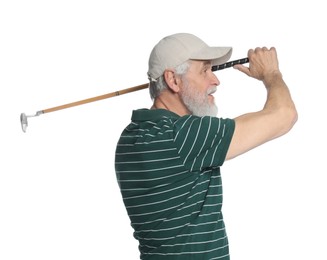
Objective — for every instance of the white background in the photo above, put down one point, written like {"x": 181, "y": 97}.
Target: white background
{"x": 59, "y": 198}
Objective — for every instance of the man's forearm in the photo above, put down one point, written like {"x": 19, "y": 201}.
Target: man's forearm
{"x": 279, "y": 99}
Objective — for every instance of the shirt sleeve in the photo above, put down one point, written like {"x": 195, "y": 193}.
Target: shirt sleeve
{"x": 203, "y": 142}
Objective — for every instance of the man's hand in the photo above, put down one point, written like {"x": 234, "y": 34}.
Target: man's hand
{"x": 263, "y": 63}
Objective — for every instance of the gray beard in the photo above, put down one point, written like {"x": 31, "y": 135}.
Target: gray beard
{"x": 197, "y": 103}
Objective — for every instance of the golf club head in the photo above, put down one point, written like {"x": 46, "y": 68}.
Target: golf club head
{"x": 23, "y": 121}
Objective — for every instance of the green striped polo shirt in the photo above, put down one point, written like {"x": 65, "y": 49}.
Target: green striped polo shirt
{"x": 168, "y": 171}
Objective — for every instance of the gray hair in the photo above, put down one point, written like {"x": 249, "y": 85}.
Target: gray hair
{"x": 158, "y": 85}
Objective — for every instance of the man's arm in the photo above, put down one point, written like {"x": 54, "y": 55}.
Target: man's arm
{"x": 278, "y": 114}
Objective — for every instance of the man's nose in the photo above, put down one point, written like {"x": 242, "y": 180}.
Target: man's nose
{"x": 215, "y": 79}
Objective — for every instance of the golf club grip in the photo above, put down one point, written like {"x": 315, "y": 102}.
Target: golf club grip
{"x": 229, "y": 64}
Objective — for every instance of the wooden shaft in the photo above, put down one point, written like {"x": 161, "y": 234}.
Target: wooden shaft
{"x": 89, "y": 100}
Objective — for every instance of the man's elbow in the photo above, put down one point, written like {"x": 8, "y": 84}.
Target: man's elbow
{"x": 290, "y": 117}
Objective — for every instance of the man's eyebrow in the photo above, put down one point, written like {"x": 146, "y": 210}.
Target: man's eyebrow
{"x": 206, "y": 63}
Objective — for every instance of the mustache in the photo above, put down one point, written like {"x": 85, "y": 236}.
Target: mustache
{"x": 212, "y": 90}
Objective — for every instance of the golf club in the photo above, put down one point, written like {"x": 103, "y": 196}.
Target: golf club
{"x": 23, "y": 116}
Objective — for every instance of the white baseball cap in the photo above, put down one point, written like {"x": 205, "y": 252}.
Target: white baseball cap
{"x": 175, "y": 49}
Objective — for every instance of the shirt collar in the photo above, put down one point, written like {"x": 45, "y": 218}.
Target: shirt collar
{"x": 147, "y": 114}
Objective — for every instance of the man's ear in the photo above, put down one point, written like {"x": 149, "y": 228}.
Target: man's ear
{"x": 172, "y": 81}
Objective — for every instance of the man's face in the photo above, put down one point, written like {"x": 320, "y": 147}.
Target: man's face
{"x": 199, "y": 83}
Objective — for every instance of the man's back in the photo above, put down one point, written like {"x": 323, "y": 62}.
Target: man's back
{"x": 168, "y": 171}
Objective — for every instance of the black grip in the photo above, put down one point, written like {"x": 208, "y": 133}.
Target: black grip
{"x": 229, "y": 64}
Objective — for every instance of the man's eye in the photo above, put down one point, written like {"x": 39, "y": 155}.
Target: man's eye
{"x": 207, "y": 68}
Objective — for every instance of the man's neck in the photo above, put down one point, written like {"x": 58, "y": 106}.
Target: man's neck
{"x": 172, "y": 102}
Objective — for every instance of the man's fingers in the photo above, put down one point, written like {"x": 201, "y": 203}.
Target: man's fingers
{"x": 242, "y": 68}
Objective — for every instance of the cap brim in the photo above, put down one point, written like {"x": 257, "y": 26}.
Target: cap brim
{"x": 218, "y": 55}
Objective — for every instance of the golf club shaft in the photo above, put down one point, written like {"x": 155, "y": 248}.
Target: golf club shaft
{"x": 132, "y": 89}
{"x": 97, "y": 98}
